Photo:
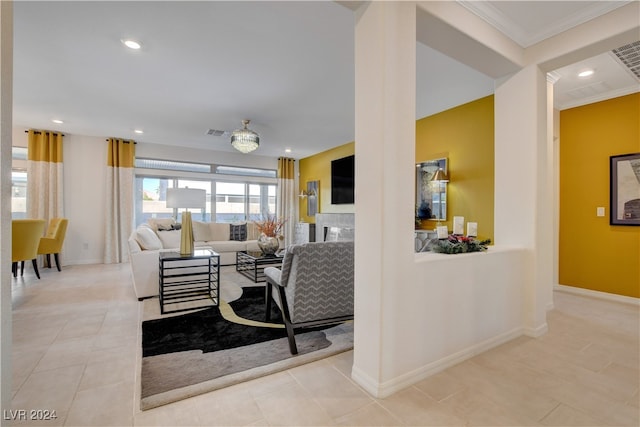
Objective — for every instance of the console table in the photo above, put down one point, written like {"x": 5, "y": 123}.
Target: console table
{"x": 188, "y": 282}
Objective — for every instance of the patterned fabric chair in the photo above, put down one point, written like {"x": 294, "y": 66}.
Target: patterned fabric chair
{"x": 314, "y": 287}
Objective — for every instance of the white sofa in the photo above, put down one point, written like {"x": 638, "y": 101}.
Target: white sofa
{"x": 147, "y": 240}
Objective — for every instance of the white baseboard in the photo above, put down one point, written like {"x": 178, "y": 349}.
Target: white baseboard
{"x": 597, "y": 294}
{"x": 83, "y": 262}
{"x": 382, "y": 390}
{"x": 536, "y": 332}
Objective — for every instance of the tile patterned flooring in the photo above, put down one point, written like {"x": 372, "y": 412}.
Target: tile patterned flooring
{"x": 75, "y": 344}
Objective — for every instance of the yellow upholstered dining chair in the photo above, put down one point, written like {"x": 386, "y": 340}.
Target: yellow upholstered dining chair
{"x": 25, "y": 238}
{"x": 52, "y": 242}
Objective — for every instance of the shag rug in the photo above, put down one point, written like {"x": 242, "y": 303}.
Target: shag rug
{"x": 191, "y": 353}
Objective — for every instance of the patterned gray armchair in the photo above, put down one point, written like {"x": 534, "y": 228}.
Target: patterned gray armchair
{"x": 314, "y": 287}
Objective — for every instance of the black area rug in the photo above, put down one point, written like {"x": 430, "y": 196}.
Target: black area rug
{"x": 208, "y": 331}
{"x": 194, "y": 353}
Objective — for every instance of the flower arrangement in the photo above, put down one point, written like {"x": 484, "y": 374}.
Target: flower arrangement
{"x": 457, "y": 244}
{"x": 270, "y": 226}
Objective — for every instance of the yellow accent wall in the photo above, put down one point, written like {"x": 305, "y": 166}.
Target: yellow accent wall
{"x": 318, "y": 168}
{"x": 593, "y": 254}
{"x": 465, "y": 136}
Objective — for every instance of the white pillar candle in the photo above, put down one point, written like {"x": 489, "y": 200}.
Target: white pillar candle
{"x": 458, "y": 225}
{"x": 443, "y": 232}
{"x": 472, "y": 229}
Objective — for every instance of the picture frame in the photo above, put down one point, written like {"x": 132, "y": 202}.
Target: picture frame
{"x": 624, "y": 194}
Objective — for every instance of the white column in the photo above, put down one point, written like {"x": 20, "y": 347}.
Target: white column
{"x": 6, "y": 106}
{"x": 553, "y": 164}
{"x": 523, "y": 192}
{"x": 385, "y": 67}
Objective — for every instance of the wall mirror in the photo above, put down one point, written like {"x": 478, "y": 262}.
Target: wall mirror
{"x": 431, "y": 196}
{"x": 312, "y": 198}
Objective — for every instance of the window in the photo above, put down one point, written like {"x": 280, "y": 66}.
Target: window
{"x": 18, "y": 194}
{"x": 19, "y": 182}
{"x": 240, "y": 200}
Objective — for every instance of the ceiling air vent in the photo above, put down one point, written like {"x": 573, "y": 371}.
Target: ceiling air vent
{"x": 216, "y": 132}
{"x": 629, "y": 55}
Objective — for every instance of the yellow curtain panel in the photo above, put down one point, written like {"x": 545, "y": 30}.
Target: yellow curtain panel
{"x": 44, "y": 146}
{"x": 286, "y": 168}
{"x": 45, "y": 193}
{"x": 121, "y": 153}
{"x": 287, "y": 198}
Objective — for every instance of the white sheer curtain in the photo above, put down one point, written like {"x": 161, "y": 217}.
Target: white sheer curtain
{"x": 45, "y": 172}
{"x": 287, "y": 199}
{"x": 120, "y": 200}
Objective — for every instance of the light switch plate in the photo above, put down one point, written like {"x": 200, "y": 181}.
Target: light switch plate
{"x": 600, "y": 211}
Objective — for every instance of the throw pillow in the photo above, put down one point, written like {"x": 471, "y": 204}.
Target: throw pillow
{"x": 147, "y": 239}
{"x": 161, "y": 223}
{"x": 202, "y": 231}
{"x": 238, "y": 232}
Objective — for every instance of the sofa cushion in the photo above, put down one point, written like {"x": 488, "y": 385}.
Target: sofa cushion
{"x": 227, "y": 246}
{"x": 219, "y": 231}
{"x": 202, "y": 231}
{"x": 238, "y": 232}
{"x": 147, "y": 238}
{"x": 170, "y": 239}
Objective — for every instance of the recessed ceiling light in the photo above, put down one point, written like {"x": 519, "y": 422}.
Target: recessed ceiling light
{"x": 287, "y": 150}
{"x": 585, "y": 73}
{"x": 132, "y": 44}
{"x": 57, "y": 121}
{"x": 138, "y": 131}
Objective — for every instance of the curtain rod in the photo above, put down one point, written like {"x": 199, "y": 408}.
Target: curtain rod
{"x": 37, "y": 132}
{"x": 124, "y": 140}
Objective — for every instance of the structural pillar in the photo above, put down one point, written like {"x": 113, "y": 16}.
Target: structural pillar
{"x": 6, "y": 106}
{"x": 523, "y": 187}
{"x": 385, "y": 82}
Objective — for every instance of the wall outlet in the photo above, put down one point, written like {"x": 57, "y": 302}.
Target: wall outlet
{"x": 599, "y": 211}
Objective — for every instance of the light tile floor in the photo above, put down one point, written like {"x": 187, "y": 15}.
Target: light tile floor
{"x": 75, "y": 344}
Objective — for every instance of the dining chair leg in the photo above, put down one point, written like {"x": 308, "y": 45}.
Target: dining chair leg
{"x": 57, "y": 258}
{"x": 14, "y": 268}
{"x": 35, "y": 266}
{"x": 22, "y": 268}
{"x": 48, "y": 256}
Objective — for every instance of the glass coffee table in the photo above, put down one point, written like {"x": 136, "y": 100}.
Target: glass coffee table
{"x": 252, "y": 264}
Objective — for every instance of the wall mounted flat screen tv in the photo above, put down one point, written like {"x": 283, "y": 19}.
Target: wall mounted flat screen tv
{"x": 343, "y": 180}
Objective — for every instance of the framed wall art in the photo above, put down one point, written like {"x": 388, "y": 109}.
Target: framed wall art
{"x": 625, "y": 189}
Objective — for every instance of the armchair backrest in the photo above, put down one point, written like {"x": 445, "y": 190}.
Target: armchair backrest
{"x": 318, "y": 280}
{"x": 25, "y": 237}
{"x": 54, "y": 238}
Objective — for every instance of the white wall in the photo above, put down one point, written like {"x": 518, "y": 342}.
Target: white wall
{"x": 85, "y": 169}
{"x": 456, "y": 307}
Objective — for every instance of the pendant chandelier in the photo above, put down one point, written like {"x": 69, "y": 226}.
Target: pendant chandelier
{"x": 245, "y": 140}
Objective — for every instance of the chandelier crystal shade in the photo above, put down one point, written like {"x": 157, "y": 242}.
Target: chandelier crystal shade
{"x": 245, "y": 140}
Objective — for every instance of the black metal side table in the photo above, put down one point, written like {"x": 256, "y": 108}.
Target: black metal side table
{"x": 188, "y": 282}
{"x": 252, "y": 264}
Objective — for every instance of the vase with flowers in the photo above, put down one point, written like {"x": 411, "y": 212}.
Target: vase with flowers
{"x": 270, "y": 229}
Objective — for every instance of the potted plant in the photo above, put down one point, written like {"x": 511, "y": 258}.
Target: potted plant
{"x": 270, "y": 229}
